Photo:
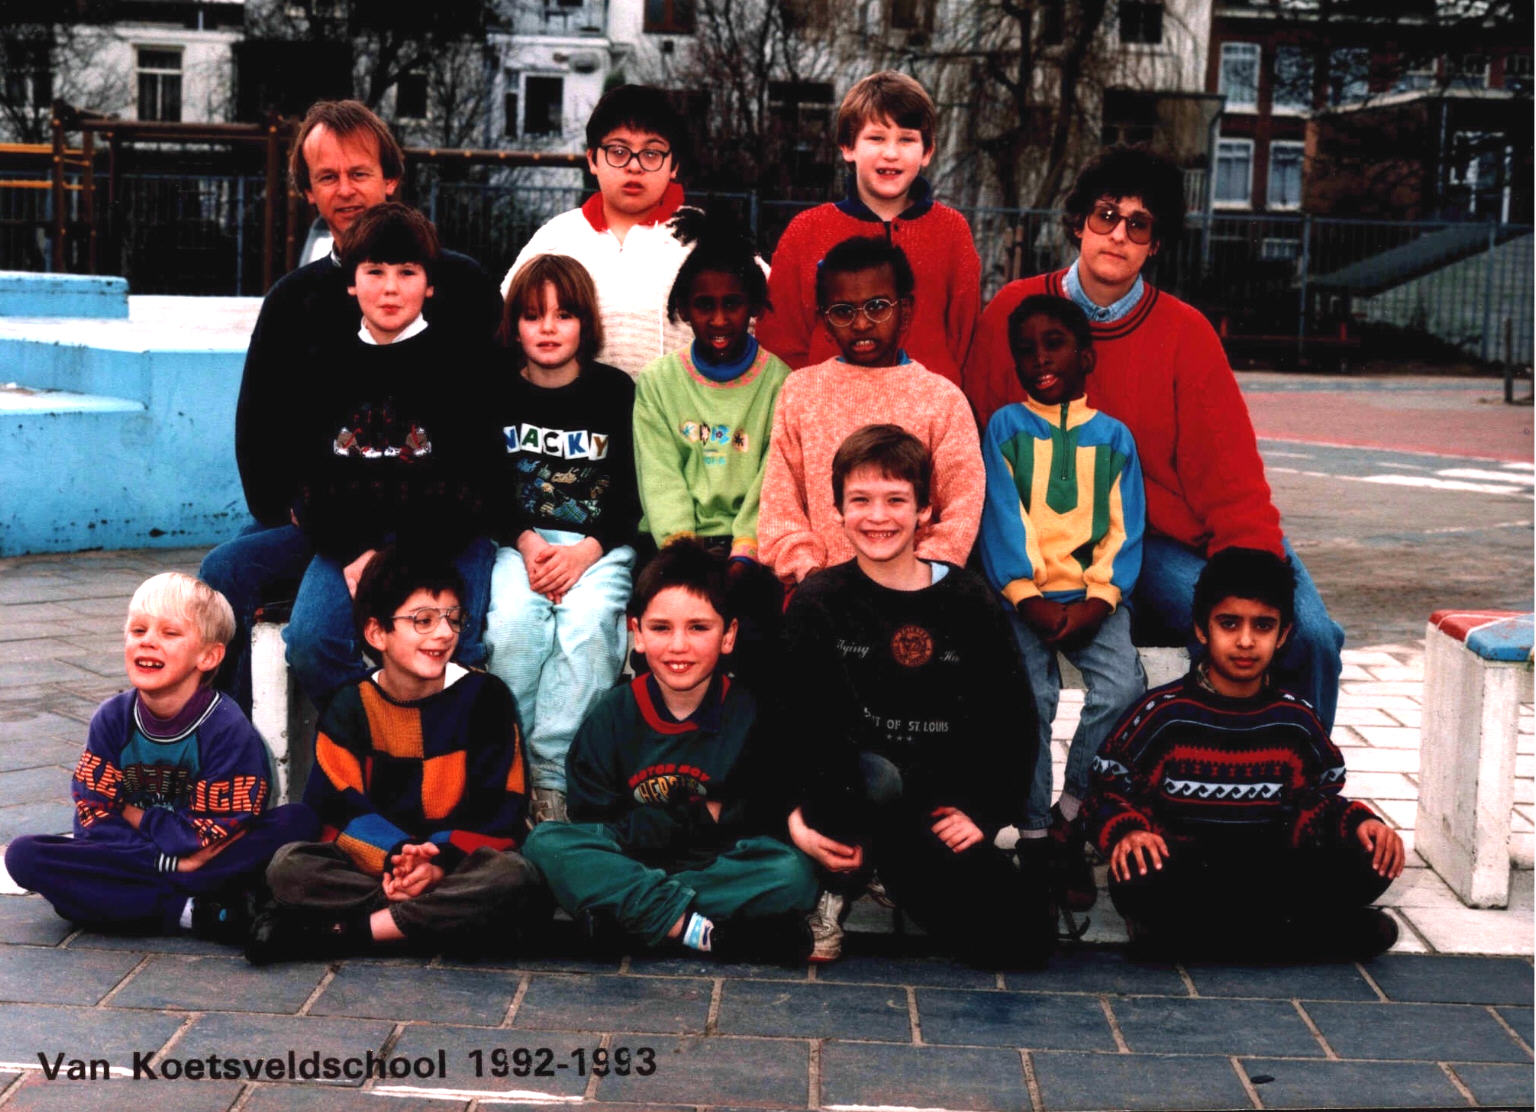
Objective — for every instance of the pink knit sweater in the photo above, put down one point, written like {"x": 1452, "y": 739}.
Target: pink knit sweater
{"x": 819, "y": 406}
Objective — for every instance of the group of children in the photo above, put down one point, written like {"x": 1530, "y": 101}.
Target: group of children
{"x": 617, "y": 484}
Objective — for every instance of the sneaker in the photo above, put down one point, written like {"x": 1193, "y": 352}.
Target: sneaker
{"x": 826, "y": 925}
{"x": 224, "y": 916}
{"x": 876, "y": 891}
{"x": 546, "y": 805}
{"x": 1071, "y": 874}
{"x": 287, "y": 934}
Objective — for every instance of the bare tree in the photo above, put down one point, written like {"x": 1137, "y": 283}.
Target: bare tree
{"x": 50, "y": 52}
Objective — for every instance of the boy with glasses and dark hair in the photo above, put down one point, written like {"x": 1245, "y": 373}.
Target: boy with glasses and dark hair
{"x": 1162, "y": 371}
{"x": 624, "y": 234}
{"x": 419, "y": 785}
{"x": 864, "y": 295}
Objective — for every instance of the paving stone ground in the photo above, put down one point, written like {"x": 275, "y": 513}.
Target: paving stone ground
{"x": 1443, "y": 1021}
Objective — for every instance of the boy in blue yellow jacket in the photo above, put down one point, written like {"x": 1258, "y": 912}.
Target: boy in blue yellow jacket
{"x": 1061, "y": 540}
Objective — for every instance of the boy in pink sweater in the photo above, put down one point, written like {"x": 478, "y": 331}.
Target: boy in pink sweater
{"x": 864, "y": 299}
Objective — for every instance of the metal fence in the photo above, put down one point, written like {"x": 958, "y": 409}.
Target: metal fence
{"x": 1286, "y": 287}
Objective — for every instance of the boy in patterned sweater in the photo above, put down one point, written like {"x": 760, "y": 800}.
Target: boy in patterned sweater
{"x": 172, "y": 823}
{"x": 864, "y": 294}
{"x": 419, "y": 785}
{"x": 1218, "y": 798}
{"x": 885, "y": 131}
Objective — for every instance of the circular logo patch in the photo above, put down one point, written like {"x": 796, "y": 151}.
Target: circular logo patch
{"x": 912, "y": 646}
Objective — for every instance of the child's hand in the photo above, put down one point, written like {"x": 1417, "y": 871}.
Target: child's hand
{"x": 955, "y": 829}
{"x": 1385, "y": 846}
{"x": 353, "y": 572}
{"x": 1142, "y": 845}
{"x": 1083, "y": 619}
{"x": 555, "y": 570}
{"x": 833, "y": 856}
{"x": 1043, "y": 616}
{"x": 412, "y": 872}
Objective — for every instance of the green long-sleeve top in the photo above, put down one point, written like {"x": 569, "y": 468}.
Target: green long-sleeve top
{"x": 701, "y": 445}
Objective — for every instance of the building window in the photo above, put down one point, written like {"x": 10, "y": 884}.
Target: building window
{"x": 28, "y": 74}
{"x": 1292, "y": 88}
{"x": 1240, "y": 74}
{"x": 1517, "y": 73}
{"x": 1141, "y": 21}
{"x": 1234, "y": 172}
{"x": 1279, "y": 249}
{"x": 911, "y": 15}
{"x": 411, "y": 96}
{"x": 543, "y": 98}
{"x": 669, "y": 17}
{"x": 159, "y": 84}
{"x": 1418, "y": 74}
{"x": 1479, "y": 174}
{"x": 1285, "y": 165}
{"x": 1468, "y": 71}
{"x": 509, "y": 103}
{"x": 1349, "y": 75}
{"x": 1053, "y": 22}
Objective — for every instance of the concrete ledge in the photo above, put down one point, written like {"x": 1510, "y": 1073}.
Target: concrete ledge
{"x": 24, "y": 293}
{"x": 1467, "y": 757}
{"x": 1162, "y": 663}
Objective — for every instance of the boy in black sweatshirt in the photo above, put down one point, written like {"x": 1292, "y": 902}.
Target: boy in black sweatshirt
{"x": 670, "y": 833}
{"x": 914, "y": 724}
{"x": 388, "y": 451}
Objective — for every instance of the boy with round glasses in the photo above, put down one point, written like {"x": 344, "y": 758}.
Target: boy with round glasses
{"x": 624, "y": 233}
{"x": 1162, "y": 372}
{"x": 419, "y": 783}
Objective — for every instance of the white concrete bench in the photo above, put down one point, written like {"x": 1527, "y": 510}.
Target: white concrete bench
{"x": 1477, "y": 672}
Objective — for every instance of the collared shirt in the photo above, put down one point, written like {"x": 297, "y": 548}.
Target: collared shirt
{"x": 1100, "y": 314}
{"x": 415, "y": 328}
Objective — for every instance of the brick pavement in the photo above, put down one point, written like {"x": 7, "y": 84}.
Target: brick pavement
{"x": 1444, "y": 1021}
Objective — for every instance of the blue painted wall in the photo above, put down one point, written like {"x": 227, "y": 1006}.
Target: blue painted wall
{"x": 122, "y": 435}
{"x": 24, "y": 294}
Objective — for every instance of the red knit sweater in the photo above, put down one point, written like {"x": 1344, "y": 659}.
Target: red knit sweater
{"x": 1163, "y": 372}
{"x": 946, "y": 301}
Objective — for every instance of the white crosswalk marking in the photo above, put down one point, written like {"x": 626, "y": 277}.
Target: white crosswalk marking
{"x": 1492, "y": 476}
{"x": 1434, "y": 482}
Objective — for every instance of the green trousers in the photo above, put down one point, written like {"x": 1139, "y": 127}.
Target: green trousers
{"x": 587, "y": 870}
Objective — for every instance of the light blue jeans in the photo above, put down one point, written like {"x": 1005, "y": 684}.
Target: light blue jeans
{"x": 1308, "y": 664}
{"x": 1115, "y": 680}
{"x": 557, "y": 658}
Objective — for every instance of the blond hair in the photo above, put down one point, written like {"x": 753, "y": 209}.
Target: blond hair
{"x": 172, "y": 594}
{"x": 887, "y": 95}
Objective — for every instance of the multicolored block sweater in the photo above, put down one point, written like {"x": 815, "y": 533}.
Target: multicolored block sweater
{"x": 938, "y": 244}
{"x": 1065, "y": 508}
{"x": 818, "y": 407}
{"x": 447, "y": 769}
{"x": 200, "y": 776}
{"x": 1162, "y": 371}
{"x": 1195, "y": 766}
{"x": 701, "y": 446}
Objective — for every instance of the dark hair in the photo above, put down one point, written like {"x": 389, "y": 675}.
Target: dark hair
{"x": 574, "y": 292}
{"x": 859, "y": 253}
{"x": 389, "y": 233}
{"x": 393, "y": 576}
{"x": 345, "y": 119}
{"x": 721, "y": 247}
{"x": 1063, "y": 311}
{"x": 887, "y": 95}
{"x": 1248, "y": 573}
{"x": 687, "y": 564}
{"x": 1137, "y": 171}
{"x": 641, "y": 108}
{"x": 889, "y": 449}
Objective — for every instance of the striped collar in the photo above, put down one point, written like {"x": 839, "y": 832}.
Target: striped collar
{"x": 1100, "y": 314}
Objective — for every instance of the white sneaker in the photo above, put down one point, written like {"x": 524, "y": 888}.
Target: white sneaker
{"x": 826, "y": 923}
{"x": 876, "y": 891}
{"x": 546, "y": 805}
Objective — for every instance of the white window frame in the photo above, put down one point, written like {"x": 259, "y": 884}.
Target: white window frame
{"x": 522, "y": 124}
{"x": 1238, "y": 53}
{"x": 140, "y": 70}
{"x": 1301, "y": 179}
{"x": 1279, "y": 249}
{"x": 1246, "y": 201}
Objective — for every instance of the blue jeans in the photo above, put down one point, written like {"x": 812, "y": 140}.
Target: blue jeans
{"x": 261, "y": 565}
{"x": 324, "y": 649}
{"x": 558, "y": 659}
{"x": 1309, "y": 662}
{"x": 1114, "y": 677}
